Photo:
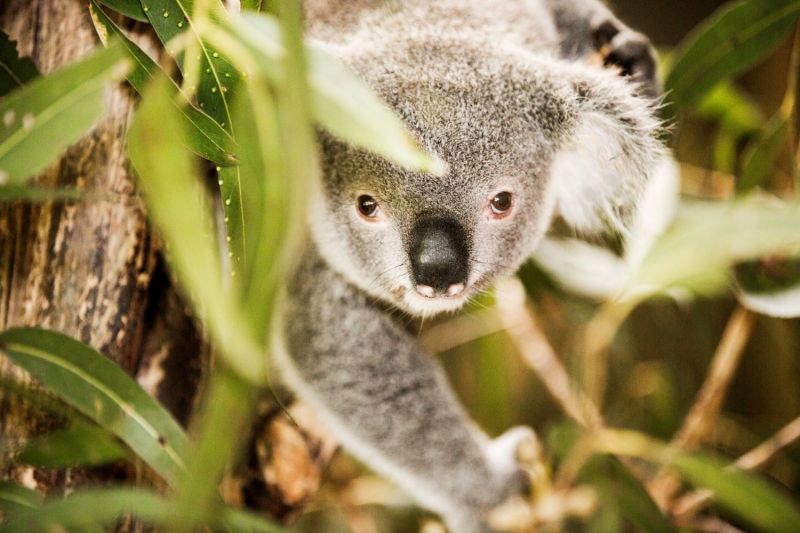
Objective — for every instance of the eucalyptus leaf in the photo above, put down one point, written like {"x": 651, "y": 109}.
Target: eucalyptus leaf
{"x": 770, "y": 285}
{"x": 41, "y": 119}
{"x": 77, "y": 445}
{"x": 340, "y": 101}
{"x": 743, "y": 494}
{"x": 217, "y": 81}
{"x": 15, "y": 71}
{"x": 180, "y": 208}
{"x": 14, "y": 497}
{"x": 733, "y": 109}
{"x": 727, "y": 43}
{"x": 761, "y": 155}
{"x": 28, "y": 193}
{"x": 101, "y": 390}
{"x": 86, "y": 509}
{"x": 707, "y": 238}
{"x": 206, "y": 137}
{"x": 130, "y": 8}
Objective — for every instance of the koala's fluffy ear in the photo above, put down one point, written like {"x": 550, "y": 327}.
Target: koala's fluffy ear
{"x": 608, "y": 153}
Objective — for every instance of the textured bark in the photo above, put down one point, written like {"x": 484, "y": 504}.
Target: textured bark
{"x": 92, "y": 270}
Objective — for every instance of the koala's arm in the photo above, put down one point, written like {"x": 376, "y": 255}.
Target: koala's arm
{"x": 586, "y": 27}
{"x": 387, "y": 400}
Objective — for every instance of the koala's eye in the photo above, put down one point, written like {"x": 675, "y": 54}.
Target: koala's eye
{"x": 367, "y": 206}
{"x": 500, "y": 204}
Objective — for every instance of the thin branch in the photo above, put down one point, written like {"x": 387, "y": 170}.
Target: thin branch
{"x": 699, "y": 422}
{"x": 461, "y": 330}
{"x": 689, "y": 505}
{"x": 539, "y": 355}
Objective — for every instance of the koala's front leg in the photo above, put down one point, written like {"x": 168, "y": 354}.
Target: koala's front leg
{"x": 387, "y": 401}
{"x": 588, "y": 26}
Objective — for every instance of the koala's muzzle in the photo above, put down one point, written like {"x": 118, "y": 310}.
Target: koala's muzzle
{"x": 439, "y": 256}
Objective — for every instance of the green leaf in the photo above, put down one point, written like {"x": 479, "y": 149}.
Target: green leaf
{"x": 707, "y": 238}
{"x": 15, "y": 71}
{"x": 340, "y": 101}
{"x": 178, "y": 205}
{"x": 129, "y": 8}
{"x": 41, "y": 119}
{"x": 89, "y": 508}
{"x": 743, "y": 494}
{"x": 770, "y": 285}
{"x": 218, "y": 79}
{"x": 761, "y": 155}
{"x": 732, "y": 108}
{"x": 77, "y": 445}
{"x": 727, "y": 43}
{"x": 13, "y": 193}
{"x": 101, "y": 390}
{"x": 206, "y": 137}
{"x": 170, "y": 18}
{"x": 14, "y": 497}
{"x": 252, "y": 5}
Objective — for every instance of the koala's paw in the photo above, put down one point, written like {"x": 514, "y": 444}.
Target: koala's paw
{"x": 630, "y": 52}
{"x": 502, "y": 454}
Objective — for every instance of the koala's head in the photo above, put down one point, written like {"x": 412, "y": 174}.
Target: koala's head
{"x": 523, "y": 139}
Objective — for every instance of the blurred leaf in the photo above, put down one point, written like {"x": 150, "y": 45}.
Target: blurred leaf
{"x": 707, "y": 238}
{"x": 619, "y": 491}
{"x": 91, "y": 507}
{"x": 15, "y": 71}
{"x": 130, "y": 8}
{"x": 14, "y": 497}
{"x": 761, "y": 155}
{"x": 732, "y": 108}
{"x": 340, "y": 101}
{"x": 41, "y": 119}
{"x": 13, "y": 193}
{"x": 725, "y": 150}
{"x": 265, "y": 207}
{"x": 252, "y": 5}
{"x": 101, "y": 390}
{"x": 178, "y": 205}
{"x": 728, "y": 42}
{"x": 227, "y": 411}
{"x": 770, "y": 285}
{"x": 77, "y": 445}
{"x": 206, "y": 138}
{"x": 743, "y": 494}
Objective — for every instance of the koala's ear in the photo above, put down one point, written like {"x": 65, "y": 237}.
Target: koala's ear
{"x": 608, "y": 153}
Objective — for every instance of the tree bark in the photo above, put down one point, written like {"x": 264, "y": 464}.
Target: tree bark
{"x": 92, "y": 270}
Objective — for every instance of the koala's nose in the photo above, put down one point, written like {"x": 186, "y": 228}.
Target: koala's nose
{"x": 439, "y": 256}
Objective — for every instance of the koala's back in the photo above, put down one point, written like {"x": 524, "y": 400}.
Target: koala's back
{"x": 526, "y": 24}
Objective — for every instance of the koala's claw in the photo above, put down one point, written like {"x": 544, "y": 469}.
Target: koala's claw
{"x": 629, "y": 51}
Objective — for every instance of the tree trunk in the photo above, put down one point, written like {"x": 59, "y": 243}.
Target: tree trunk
{"x": 92, "y": 271}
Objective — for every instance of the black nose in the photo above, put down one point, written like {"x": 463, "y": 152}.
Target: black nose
{"x": 439, "y": 253}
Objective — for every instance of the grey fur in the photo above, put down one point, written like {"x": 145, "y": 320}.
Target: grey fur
{"x": 500, "y": 92}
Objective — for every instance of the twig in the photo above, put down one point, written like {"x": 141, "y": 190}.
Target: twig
{"x": 756, "y": 458}
{"x": 461, "y": 330}
{"x": 539, "y": 355}
{"x": 700, "y": 420}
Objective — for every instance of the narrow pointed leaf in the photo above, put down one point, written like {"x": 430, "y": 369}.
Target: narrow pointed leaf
{"x": 179, "y": 206}
{"x": 340, "y": 102}
{"x": 741, "y": 493}
{"x": 101, "y": 390}
{"x": 41, "y": 119}
{"x": 14, "y": 497}
{"x": 15, "y": 71}
{"x": 761, "y": 155}
{"x": 89, "y": 508}
{"x": 130, "y": 8}
{"x": 77, "y": 445}
{"x": 206, "y": 137}
{"x": 727, "y": 43}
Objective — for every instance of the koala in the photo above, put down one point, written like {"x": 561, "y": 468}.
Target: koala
{"x": 507, "y": 95}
